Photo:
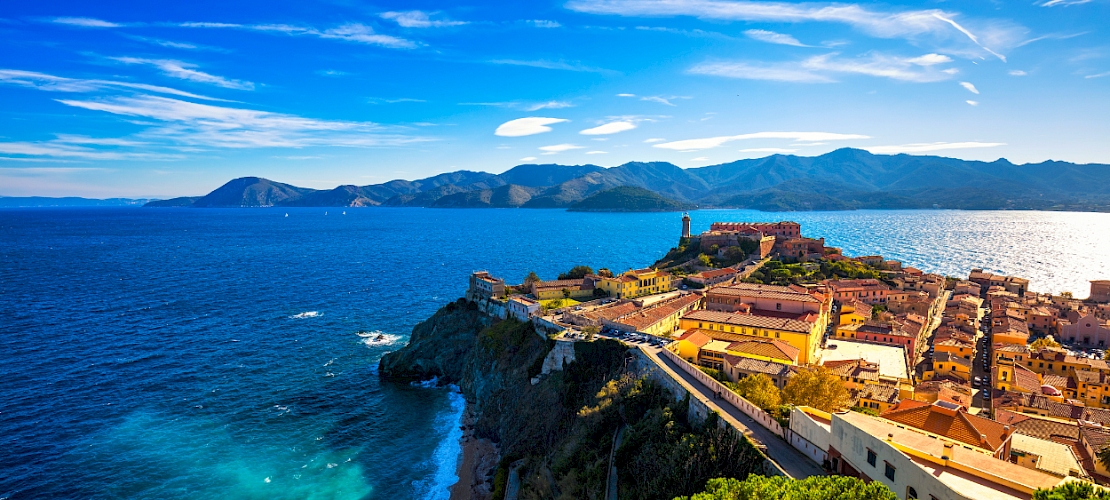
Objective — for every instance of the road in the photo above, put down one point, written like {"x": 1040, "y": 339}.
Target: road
{"x": 794, "y": 462}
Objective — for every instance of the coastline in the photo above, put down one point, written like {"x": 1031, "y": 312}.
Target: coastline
{"x": 478, "y": 458}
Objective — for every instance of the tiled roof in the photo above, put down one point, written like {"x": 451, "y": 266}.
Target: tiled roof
{"x": 885, "y": 393}
{"x": 947, "y": 357}
{"x": 773, "y": 292}
{"x": 611, "y": 312}
{"x": 579, "y": 284}
{"x": 751, "y": 321}
{"x": 645, "y": 318}
{"x": 750, "y": 365}
{"x": 696, "y": 337}
{"x": 960, "y": 426}
{"x": 858, "y": 284}
{"x": 1055, "y": 458}
{"x": 717, "y": 273}
{"x": 770, "y": 348}
{"x": 1040, "y": 428}
{"x": 854, "y": 368}
{"x": 1026, "y": 378}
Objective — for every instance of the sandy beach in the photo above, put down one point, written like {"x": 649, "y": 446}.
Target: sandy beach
{"x": 477, "y": 464}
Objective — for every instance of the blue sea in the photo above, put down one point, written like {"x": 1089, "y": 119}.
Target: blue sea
{"x": 191, "y": 353}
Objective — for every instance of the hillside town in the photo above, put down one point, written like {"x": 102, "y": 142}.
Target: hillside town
{"x": 937, "y": 386}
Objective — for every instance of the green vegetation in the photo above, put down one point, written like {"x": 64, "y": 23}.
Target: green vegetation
{"x": 531, "y": 278}
{"x": 686, "y": 250}
{"x": 866, "y": 411}
{"x": 760, "y": 390}
{"x": 780, "y": 488}
{"x": 1074, "y": 490}
{"x": 776, "y": 272}
{"x": 1044, "y": 343}
{"x": 552, "y": 304}
{"x": 628, "y": 199}
{"x": 576, "y": 273}
{"x": 819, "y": 388}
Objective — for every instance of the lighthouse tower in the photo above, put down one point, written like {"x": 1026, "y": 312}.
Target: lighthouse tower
{"x": 686, "y": 225}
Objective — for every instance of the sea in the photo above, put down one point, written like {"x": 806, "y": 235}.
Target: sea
{"x": 232, "y": 353}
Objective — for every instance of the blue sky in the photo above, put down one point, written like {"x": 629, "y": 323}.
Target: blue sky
{"x": 114, "y": 98}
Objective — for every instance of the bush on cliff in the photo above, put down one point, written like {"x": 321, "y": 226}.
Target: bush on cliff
{"x": 781, "y": 488}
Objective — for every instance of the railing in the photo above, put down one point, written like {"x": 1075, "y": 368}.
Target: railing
{"x": 727, "y": 394}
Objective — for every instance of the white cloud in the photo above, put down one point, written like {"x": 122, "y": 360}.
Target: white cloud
{"x": 1017, "y": 72}
{"x": 548, "y": 105}
{"x": 973, "y": 103}
{"x": 526, "y": 126}
{"x": 907, "y": 24}
{"x": 556, "y": 65}
{"x": 1065, "y": 3}
{"x": 1100, "y": 75}
{"x": 51, "y": 83}
{"x": 379, "y": 100}
{"x": 559, "y": 148}
{"x": 663, "y": 100}
{"x": 626, "y": 95}
{"x": 609, "y": 128}
{"x": 772, "y": 37}
{"x": 700, "y": 158}
{"x": 767, "y": 150}
{"x": 418, "y": 19}
{"x": 820, "y": 69}
{"x": 543, "y": 23}
{"x": 185, "y": 71}
{"x": 85, "y": 22}
{"x": 57, "y": 149}
{"x": 654, "y": 140}
{"x": 712, "y": 142}
{"x": 970, "y": 88}
{"x": 808, "y": 144}
{"x": 597, "y": 152}
{"x": 351, "y": 32}
{"x": 528, "y": 158}
{"x": 928, "y": 147}
{"x": 205, "y": 125}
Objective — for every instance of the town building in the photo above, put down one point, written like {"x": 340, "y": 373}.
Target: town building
{"x": 660, "y": 319}
{"x": 522, "y": 308}
{"x": 636, "y": 283}
{"x": 891, "y": 361}
{"x": 738, "y": 367}
{"x": 804, "y": 334}
{"x": 712, "y": 277}
{"x": 577, "y": 289}
{"x": 953, "y": 422}
{"x": 1012, "y": 284}
{"x": 1088, "y": 331}
{"x": 484, "y": 286}
{"x": 1100, "y": 291}
{"x": 868, "y": 290}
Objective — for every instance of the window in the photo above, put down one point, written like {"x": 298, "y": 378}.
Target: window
{"x": 778, "y": 306}
{"x": 911, "y": 494}
{"x": 889, "y": 472}
{"x": 871, "y": 457}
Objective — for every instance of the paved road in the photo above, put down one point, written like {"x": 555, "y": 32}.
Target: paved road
{"x": 789, "y": 459}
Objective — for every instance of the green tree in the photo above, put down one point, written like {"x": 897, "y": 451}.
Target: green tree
{"x": 590, "y": 332}
{"x": 819, "y": 388}
{"x": 757, "y": 487}
{"x": 760, "y": 390}
{"x": 531, "y": 278}
{"x": 576, "y": 273}
{"x": 703, "y": 259}
{"x": 1103, "y": 457}
{"x": 1073, "y": 490}
{"x": 605, "y": 272}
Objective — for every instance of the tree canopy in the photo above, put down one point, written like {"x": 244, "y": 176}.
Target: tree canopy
{"x": 820, "y": 388}
{"x": 760, "y": 390}
{"x": 576, "y": 273}
{"x": 1073, "y": 490}
{"x": 757, "y": 487}
{"x": 1044, "y": 343}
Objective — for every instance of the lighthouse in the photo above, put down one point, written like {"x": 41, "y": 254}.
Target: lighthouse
{"x": 686, "y": 225}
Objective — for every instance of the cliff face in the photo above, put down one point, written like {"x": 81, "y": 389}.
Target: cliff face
{"x": 560, "y": 431}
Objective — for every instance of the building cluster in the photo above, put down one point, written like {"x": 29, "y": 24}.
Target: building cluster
{"x": 953, "y": 396}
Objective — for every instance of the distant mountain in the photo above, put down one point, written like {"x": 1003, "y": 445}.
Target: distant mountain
{"x": 628, "y": 199}
{"x": 844, "y": 179}
{"x": 183, "y": 201}
{"x": 42, "y": 201}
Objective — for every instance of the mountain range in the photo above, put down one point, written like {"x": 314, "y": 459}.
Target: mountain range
{"x": 844, "y": 179}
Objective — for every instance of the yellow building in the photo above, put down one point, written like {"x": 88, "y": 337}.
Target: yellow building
{"x": 637, "y": 283}
{"x": 956, "y": 347}
{"x": 949, "y": 365}
{"x": 690, "y": 343}
{"x": 803, "y": 335}
{"x": 854, "y": 313}
{"x": 580, "y": 289}
{"x": 1014, "y": 377}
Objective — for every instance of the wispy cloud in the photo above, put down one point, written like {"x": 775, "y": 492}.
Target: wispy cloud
{"x": 204, "y": 125}
{"x": 772, "y": 37}
{"x": 556, "y": 65}
{"x": 350, "y": 32}
{"x": 654, "y": 140}
{"x": 1099, "y": 75}
{"x": 597, "y": 152}
{"x": 609, "y": 128}
{"x": 823, "y": 68}
{"x": 970, "y": 88}
{"x": 1063, "y": 3}
{"x": 85, "y": 22}
{"x": 419, "y": 19}
{"x": 940, "y": 25}
{"x": 51, "y": 83}
{"x": 713, "y": 142}
{"x": 60, "y": 149}
{"x": 173, "y": 44}
{"x": 522, "y": 105}
{"x": 527, "y": 126}
{"x": 332, "y": 72}
{"x": 972, "y": 103}
{"x": 929, "y": 147}
{"x": 543, "y": 23}
{"x": 559, "y": 148}
{"x": 528, "y": 158}
{"x": 381, "y": 100}
{"x": 186, "y": 71}
{"x": 1017, "y": 72}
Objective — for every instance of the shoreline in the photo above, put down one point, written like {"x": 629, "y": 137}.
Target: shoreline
{"x": 478, "y": 459}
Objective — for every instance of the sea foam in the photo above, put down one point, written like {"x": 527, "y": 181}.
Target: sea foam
{"x": 306, "y": 314}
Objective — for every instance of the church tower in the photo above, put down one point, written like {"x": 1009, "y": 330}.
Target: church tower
{"x": 686, "y": 225}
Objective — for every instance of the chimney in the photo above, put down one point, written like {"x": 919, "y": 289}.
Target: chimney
{"x": 949, "y": 452}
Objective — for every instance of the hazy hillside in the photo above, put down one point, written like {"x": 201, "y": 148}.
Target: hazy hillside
{"x": 844, "y": 179}
{"x": 628, "y": 199}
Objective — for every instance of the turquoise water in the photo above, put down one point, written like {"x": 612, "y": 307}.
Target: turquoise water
{"x": 213, "y": 353}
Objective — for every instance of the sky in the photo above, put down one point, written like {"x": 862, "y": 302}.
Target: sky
{"x": 159, "y": 99}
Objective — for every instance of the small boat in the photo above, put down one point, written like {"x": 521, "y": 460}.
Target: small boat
{"x": 344, "y": 212}
{"x": 287, "y": 215}
{"x": 379, "y": 338}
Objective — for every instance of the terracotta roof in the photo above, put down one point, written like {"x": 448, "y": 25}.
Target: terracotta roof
{"x": 645, "y": 318}
{"x": 854, "y": 368}
{"x": 770, "y": 348}
{"x": 696, "y": 337}
{"x": 1041, "y": 428}
{"x": 885, "y": 393}
{"x": 579, "y": 284}
{"x": 717, "y": 273}
{"x": 958, "y": 425}
{"x": 611, "y": 312}
{"x": 858, "y": 284}
{"x": 751, "y": 321}
{"x": 947, "y": 357}
{"x": 759, "y": 366}
{"x": 1026, "y": 379}
{"x": 773, "y": 292}
{"x": 1040, "y": 402}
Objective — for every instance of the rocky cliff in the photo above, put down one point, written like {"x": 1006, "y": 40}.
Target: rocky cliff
{"x": 559, "y": 427}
